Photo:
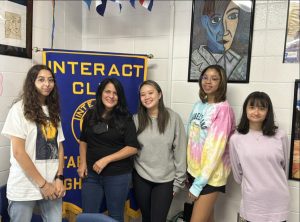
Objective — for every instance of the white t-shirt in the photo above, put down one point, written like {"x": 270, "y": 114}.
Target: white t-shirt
{"x": 41, "y": 145}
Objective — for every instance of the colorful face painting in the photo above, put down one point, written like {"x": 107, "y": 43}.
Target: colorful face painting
{"x": 221, "y": 34}
{"x": 220, "y": 26}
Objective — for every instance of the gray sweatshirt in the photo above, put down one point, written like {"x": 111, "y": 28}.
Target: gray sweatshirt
{"x": 162, "y": 157}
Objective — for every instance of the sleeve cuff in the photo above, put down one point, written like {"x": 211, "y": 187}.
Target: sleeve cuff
{"x": 197, "y": 186}
{"x": 176, "y": 189}
{"x": 195, "y": 190}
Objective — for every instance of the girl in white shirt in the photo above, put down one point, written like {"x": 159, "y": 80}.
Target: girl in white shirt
{"x": 37, "y": 157}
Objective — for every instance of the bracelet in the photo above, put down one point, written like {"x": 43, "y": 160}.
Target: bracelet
{"x": 41, "y": 187}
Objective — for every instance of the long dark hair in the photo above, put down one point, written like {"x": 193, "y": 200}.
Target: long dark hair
{"x": 258, "y": 99}
{"x": 163, "y": 114}
{"x": 32, "y": 108}
{"x": 222, "y": 89}
{"x": 118, "y": 116}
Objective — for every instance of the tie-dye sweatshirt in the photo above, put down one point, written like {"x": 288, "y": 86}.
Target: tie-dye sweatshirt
{"x": 209, "y": 128}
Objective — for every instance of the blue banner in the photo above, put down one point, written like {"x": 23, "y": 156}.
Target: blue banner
{"x": 78, "y": 74}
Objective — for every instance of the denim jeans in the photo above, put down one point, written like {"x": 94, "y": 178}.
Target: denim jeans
{"x": 114, "y": 188}
{"x": 51, "y": 210}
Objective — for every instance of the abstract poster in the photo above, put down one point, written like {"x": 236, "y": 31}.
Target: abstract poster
{"x": 221, "y": 34}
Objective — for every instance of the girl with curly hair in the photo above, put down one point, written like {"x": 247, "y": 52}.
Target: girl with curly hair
{"x": 37, "y": 157}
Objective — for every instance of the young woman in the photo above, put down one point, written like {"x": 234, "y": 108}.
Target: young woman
{"x": 37, "y": 156}
{"x": 107, "y": 142}
{"x": 259, "y": 156}
{"x": 210, "y": 125}
{"x": 160, "y": 165}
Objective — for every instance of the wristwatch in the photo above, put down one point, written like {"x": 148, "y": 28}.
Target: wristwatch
{"x": 61, "y": 177}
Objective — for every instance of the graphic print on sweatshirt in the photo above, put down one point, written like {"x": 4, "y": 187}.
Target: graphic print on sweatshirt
{"x": 46, "y": 142}
{"x": 200, "y": 121}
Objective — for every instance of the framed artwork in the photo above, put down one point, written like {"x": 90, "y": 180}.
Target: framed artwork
{"x": 294, "y": 170}
{"x": 221, "y": 33}
{"x": 292, "y": 36}
{"x": 16, "y": 28}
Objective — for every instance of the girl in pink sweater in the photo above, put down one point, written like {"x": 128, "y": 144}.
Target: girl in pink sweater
{"x": 259, "y": 155}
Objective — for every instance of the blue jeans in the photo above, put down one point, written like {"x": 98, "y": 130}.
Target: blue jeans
{"x": 51, "y": 210}
{"x": 114, "y": 188}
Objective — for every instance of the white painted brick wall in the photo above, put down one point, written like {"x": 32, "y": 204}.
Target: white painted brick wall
{"x": 164, "y": 32}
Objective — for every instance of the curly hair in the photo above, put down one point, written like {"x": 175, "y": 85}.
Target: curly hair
{"x": 32, "y": 108}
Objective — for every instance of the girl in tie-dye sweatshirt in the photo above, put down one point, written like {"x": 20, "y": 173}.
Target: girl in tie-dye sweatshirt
{"x": 210, "y": 125}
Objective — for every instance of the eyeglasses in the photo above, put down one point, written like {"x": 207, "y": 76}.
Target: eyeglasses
{"x": 214, "y": 79}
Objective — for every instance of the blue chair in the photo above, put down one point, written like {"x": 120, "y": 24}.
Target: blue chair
{"x": 3, "y": 204}
{"x": 94, "y": 217}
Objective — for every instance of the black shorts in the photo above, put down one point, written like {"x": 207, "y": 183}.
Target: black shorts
{"x": 207, "y": 188}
